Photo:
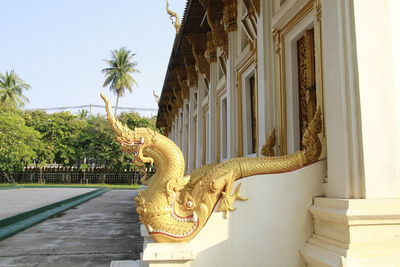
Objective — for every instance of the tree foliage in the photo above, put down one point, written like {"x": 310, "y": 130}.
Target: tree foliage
{"x": 134, "y": 120}
{"x": 35, "y": 137}
{"x": 82, "y": 140}
{"x": 118, "y": 73}
{"x": 11, "y": 90}
{"x": 20, "y": 144}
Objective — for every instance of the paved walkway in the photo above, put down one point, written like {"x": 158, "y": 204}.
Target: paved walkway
{"x": 94, "y": 233}
{"x": 15, "y": 201}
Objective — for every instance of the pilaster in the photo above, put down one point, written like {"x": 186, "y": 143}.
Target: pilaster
{"x": 199, "y": 128}
{"x": 212, "y": 96}
{"x": 232, "y": 96}
{"x": 377, "y": 98}
{"x": 185, "y": 135}
{"x": 192, "y": 144}
{"x": 354, "y": 232}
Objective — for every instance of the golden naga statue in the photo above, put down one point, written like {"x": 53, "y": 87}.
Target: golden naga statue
{"x": 174, "y": 207}
{"x": 172, "y": 14}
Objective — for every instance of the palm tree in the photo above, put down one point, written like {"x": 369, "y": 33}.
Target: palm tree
{"x": 118, "y": 73}
{"x": 83, "y": 114}
{"x": 11, "y": 90}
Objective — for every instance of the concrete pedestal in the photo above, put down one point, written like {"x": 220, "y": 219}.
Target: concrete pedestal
{"x": 160, "y": 254}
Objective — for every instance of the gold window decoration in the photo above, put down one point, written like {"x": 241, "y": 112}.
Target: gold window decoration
{"x": 306, "y": 80}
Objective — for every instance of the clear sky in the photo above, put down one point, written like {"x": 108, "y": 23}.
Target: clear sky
{"x": 58, "y": 47}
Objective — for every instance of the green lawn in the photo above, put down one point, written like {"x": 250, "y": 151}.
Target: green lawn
{"x": 112, "y": 186}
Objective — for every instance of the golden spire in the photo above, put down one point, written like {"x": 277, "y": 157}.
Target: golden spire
{"x": 172, "y": 14}
{"x": 157, "y": 97}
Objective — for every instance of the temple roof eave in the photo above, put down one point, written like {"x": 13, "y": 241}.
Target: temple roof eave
{"x": 191, "y": 24}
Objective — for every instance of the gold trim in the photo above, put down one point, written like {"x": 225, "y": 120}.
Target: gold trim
{"x": 219, "y": 94}
{"x": 280, "y": 34}
{"x": 187, "y": 129}
{"x": 204, "y": 130}
{"x": 282, "y": 100}
{"x": 257, "y": 122}
{"x": 244, "y": 65}
{"x": 195, "y": 137}
{"x": 319, "y": 70}
{"x": 297, "y": 17}
{"x": 218, "y": 104}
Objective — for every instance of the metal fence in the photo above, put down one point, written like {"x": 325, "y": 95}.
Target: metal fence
{"x": 74, "y": 176}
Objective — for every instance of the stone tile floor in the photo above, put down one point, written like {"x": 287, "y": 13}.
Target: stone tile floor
{"x": 94, "y": 233}
{"x": 14, "y": 201}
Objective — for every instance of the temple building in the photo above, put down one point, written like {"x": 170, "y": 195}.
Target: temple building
{"x": 245, "y": 79}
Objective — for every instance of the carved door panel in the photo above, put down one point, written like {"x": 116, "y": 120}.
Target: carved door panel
{"x": 306, "y": 80}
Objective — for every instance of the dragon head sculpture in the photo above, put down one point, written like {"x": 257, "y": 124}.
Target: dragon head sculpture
{"x": 159, "y": 206}
{"x": 131, "y": 141}
{"x": 174, "y": 207}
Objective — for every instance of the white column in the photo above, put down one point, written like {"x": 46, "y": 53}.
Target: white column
{"x": 213, "y": 127}
{"x": 360, "y": 99}
{"x": 199, "y": 143}
{"x": 357, "y": 224}
{"x": 267, "y": 112}
{"x": 180, "y": 129}
{"x": 261, "y": 80}
{"x": 192, "y": 144}
{"x": 342, "y": 113}
{"x": 374, "y": 41}
{"x": 185, "y": 134}
{"x": 232, "y": 97}
{"x": 175, "y": 130}
{"x": 395, "y": 27}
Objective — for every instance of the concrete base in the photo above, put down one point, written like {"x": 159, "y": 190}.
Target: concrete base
{"x": 125, "y": 263}
{"x": 165, "y": 254}
{"x": 354, "y": 232}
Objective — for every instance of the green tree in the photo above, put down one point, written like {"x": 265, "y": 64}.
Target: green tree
{"x": 83, "y": 114}
{"x": 69, "y": 140}
{"x": 134, "y": 120}
{"x": 98, "y": 141}
{"x": 19, "y": 144}
{"x": 60, "y": 131}
{"x": 11, "y": 90}
{"x": 118, "y": 74}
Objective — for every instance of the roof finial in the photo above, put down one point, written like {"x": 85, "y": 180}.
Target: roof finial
{"x": 172, "y": 14}
{"x": 157, "y": 97}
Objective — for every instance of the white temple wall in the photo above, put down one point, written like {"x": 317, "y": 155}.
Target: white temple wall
{"x": 377, "y": 97}
{"x": 269, "y": 229}
{"x": 360, "y": 97}
{"x": 395, "y": 33}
